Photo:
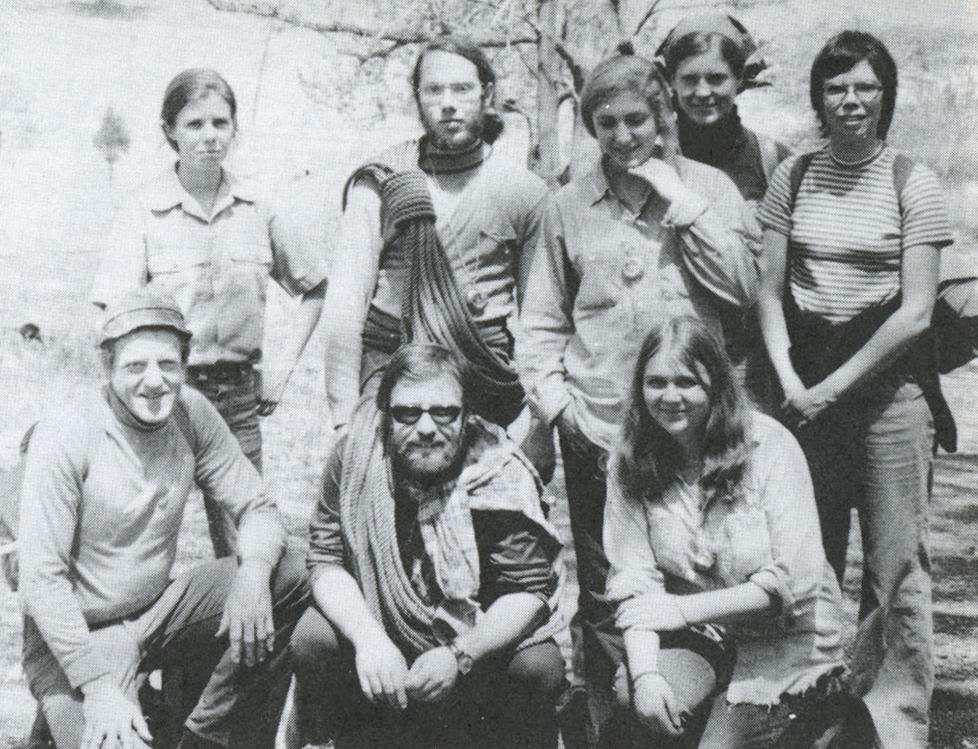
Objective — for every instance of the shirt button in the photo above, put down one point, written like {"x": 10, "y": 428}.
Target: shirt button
{"x": 632, "y": 270}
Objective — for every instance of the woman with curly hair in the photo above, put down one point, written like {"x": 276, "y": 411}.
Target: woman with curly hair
{"x": 712, "y": 537}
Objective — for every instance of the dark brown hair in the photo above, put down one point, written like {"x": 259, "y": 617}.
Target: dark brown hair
{"x": 841, "y": 54}
{"x": 188, "y": 86}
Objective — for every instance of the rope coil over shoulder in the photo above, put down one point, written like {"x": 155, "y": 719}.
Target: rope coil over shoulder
{"x": 433, "y": 308}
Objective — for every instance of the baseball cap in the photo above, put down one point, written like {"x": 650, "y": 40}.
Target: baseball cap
{"x": 141, "y": 308}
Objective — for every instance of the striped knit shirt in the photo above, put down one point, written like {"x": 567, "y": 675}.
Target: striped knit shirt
{"x": 846, "y": 231}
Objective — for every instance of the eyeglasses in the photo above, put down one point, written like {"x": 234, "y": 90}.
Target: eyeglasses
{"x": 442, "y": 415}
{"x": 461, "y": 91}
{"x": 835, "y": 94}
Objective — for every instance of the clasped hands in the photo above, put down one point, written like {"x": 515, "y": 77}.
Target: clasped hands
{"x": 385, "y": 677}
{"x": 803, "y": 405}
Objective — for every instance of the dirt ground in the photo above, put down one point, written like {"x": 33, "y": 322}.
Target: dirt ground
{"x": 304, "y": 125}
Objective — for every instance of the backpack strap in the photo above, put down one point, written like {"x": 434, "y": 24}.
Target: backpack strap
{"x": 797, "y": 174}
{"x": 770, "y": 156}
{"x": 902, "y": 167}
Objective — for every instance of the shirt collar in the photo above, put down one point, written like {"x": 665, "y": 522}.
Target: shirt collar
{"x": 167, "y": 192}
{"x": 596, "y": 183}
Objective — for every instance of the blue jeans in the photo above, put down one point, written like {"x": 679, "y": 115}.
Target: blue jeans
{"x": 218, "y": 700}
{"x": 874, "y": 452}
{"x": 236, "y": 400}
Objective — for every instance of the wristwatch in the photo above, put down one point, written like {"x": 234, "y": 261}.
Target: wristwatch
{"x": 463, "y": 659}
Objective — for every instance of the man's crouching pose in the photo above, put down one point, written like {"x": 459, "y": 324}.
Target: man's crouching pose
{"x": 105, "y": 485}
{"x": 435, "y": 577}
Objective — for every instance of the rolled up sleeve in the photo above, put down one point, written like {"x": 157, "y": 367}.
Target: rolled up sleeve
{"x": 326, "y": 547}
{"x": 720, "y": 239}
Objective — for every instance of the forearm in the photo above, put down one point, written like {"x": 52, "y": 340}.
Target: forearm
{"x": 888, "y": 343}
{"x": 261, "y": 536}
{"x": 340, "y": 599}
{"x": 507, "y": 621}
{"x": 641, "y": 651}
{"x": 306, "y": 319}
{"x": 352, "y": 280}
{"x": 728, "y": 603}
{"x": 774, "y": 330}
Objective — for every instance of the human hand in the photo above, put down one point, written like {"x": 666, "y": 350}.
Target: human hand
{"x": 111, "y": 719}
{"x": 270, "y": 392}
{"x": 247, "y": 618}
{"x": 656, "y": 705}
{"x": 382, "y": 671}
{"x": 660, "y": 612}
{"x": 432, "y": 675}
{"x": 803, "y": 405}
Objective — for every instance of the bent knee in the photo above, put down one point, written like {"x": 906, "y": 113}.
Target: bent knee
{"x": 314, "y": 643}
{"x": 538, "y": 668}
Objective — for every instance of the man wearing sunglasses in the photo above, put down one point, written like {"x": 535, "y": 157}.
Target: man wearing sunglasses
{"x": 435, "y": 575}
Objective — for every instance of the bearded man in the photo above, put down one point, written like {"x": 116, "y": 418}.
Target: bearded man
{"x": 435, "y": 576}
{"x": 482, "y": 213}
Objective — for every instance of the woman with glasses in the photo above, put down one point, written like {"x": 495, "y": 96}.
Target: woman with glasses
{"x": 852, "y": 237}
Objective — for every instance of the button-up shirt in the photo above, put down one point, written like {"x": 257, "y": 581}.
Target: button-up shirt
{"x": 216, "y": 267}
{"x": 768, "y": 535}
{"x": 604, "y": 275}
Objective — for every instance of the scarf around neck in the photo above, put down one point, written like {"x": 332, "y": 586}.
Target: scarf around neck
{"x": 367, "y": 520}
{"x": 434, "y": 160}
{"x": 711, "y": 144}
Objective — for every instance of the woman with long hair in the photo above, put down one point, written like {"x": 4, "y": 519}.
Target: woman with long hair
{"x": 852, "y": 239}
{"x": 644, "y": 235}
{"x": 711, "y": 521}
{"x": 213, "y": 241}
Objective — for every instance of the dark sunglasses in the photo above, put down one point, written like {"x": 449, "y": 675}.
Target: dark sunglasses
{"x": 442, "y": 415}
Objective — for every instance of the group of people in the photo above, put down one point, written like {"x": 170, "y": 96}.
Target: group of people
{"x": 721, "y": 332}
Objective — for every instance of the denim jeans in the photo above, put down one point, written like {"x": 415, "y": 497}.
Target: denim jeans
{"x": 237, "y": 403}
{"x": 218, "y": 700}
{"x": 507, "y": 700}
{"x": 874, "y": 452}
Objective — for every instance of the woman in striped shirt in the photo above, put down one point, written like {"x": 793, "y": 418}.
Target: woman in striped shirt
{"x": 851, "y": 254}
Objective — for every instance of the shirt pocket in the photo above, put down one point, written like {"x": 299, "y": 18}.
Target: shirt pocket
{"x": 745, "y": 546}
{"x": 250, "y": 267}
{"x": 184, "y": 272}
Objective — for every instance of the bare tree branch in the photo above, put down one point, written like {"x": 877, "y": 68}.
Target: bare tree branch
{"x": 398, "y": 38}
{"x": 650, "y": 11}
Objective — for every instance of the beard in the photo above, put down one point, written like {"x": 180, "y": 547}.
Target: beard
{"x": 428, "y": 463}
{"x": 458, "y": 141}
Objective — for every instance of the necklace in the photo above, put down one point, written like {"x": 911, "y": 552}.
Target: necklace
{"x": 860, "y": 161}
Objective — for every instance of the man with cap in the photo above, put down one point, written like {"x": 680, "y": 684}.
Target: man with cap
{"x": 105, "y": 484}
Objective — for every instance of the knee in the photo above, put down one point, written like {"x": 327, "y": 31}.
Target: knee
{"x": 538, "y": 669}
{"x": 314, "y": 645}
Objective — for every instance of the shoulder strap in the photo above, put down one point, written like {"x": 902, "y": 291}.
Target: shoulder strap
{"x": 768, "y": 148}
{"x": 902, "y": 167}
{"x": 797, "y": 174}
